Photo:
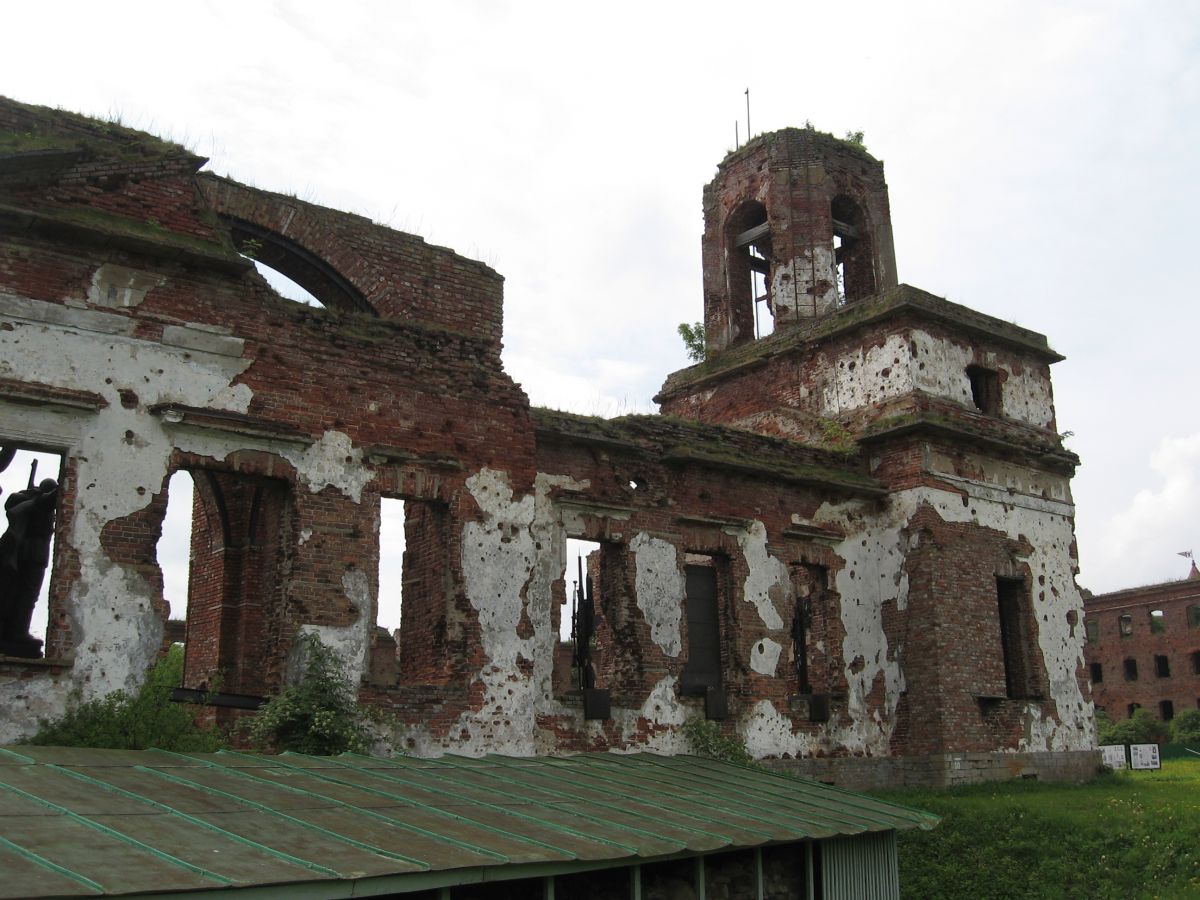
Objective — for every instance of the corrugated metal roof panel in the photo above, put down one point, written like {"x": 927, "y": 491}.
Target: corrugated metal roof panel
{"x": 81, "y": 822}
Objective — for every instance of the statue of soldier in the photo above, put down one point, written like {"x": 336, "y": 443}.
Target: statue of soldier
{"x": 24, "y": 555}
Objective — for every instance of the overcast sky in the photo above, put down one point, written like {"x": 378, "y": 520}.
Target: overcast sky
{"x": 1041, "y": 157}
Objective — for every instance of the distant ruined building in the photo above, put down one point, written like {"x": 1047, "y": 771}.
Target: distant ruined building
{"x": 848, "y": 539}
{"x": 1143, "y": 648}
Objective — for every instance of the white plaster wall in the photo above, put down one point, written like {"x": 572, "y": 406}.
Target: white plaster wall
{"x": 1027, "y": 398}
{"x": 860, "y": 377}
{"x": 658, "y": 718}
{"x": 660, "y": 587}
{"x": 792, "y": 281}
{"x": 510, "y": 558}
{"x": 768, "y": 582}
{"x": 873, "y": 577}
{"x": 938, "y": 367}
{"x": 121, "y": 457}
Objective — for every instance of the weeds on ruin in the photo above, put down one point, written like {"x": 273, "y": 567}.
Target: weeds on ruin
{"x": 148, "y": 719}
{"x": 837, "y": 437}
{"x": 705, "y": 738}
{"x": 319, "y": 715}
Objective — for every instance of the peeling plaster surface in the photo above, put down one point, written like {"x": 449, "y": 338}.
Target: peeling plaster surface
{"x": 120, "y": 286}
{"x": 765, "y": 732}
{"x": 874, "y": 576}
{"x": 509, "y": 561}
{"x": 767, "y": 579}
{"x": 920, "y": 361}
{"x": 1027, "y": 397}
{"x": 662, "y": 713}
{"x": 764, "y": 657}
{"x": 334, "y": 461}
{"x": 121, "y": 455}
{"x": 1050, "y": 534}
{"x": 795, "y": 277}
{"x": 660, "y": 587}
{"x": 861, "y": 378}
{"x": 350, "y": 642}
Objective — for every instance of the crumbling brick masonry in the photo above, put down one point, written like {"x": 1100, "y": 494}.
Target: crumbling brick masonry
{"x": 849, "y": 538}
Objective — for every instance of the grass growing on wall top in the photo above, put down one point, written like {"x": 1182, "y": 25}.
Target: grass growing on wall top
{"x": 1125, "y": 835}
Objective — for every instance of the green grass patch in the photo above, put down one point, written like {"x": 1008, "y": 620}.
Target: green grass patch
{"x": 1128, "y": 834}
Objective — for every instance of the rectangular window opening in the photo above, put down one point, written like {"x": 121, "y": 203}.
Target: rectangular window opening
{"x": 1162, "y": 667}
{"x": 1196, "y": 662}
{"x": 576, "y": 619}
{"x": 29, "y": 479}
{"x": 174, "y": 553}
{"x": 1158, "y": 622}
{"x": 1092, "y": 627}
{"x": 1193, "y": 615}
{"x": 413, "y": 585}
{"x": 1125, "y": 626}
{"x": 1097, "y": 673}
{"x": 392, "y": 520}
{"x": 703, "y": 668}
{"x": 985, "y": 389}
{"x": 1166, "y": 710}
{"x": 1131, "y": 673}
{"x": 1014, "y": 638}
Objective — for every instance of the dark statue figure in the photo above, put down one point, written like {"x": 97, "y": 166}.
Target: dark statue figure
{"x": 24, "y": 556}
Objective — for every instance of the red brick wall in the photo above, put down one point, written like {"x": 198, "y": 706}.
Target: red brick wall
{"x": 1177, "y": 641}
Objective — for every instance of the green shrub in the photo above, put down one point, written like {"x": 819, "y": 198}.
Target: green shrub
{"x": 320, "y": 715}
{"x": 1140, "y": 728}
{"x": 704, "y": 737}
{"x": 1185, "y": 728}
{"x": 148, "y": 719}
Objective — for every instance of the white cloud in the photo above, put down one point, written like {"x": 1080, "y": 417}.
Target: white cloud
{"x": 1138, "y": 544}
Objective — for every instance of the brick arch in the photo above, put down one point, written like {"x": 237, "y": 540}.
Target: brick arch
{"x": 351, "y": 264}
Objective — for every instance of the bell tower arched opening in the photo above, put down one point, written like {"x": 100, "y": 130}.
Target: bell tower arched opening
{"x": 748, "y": 252}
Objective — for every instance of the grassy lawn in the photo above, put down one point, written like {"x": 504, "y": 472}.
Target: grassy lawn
{"x": 1129, "y": 834}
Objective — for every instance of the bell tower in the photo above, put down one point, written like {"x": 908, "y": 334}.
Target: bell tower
{"x": 796, "y": 225}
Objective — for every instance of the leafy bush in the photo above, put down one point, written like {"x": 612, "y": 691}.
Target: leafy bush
{"x": 1140, "y": 728}
{"x": 705, "y": 739}
{"x": 149, "y": 719}
{"x": 1185, "y": 728}
{"x": 320, "y": 715}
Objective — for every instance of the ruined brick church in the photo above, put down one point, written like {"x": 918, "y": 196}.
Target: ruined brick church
{"x": 848, "y": 539}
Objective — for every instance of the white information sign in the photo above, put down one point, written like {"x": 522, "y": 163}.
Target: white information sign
{"x": 1114, "y": 755}
{"x": 1144, "y": 756}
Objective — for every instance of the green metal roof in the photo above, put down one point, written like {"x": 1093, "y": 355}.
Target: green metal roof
{"x": 84, "y": 822}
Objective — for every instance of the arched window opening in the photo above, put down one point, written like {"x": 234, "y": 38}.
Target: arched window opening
{"x": 29, "y": 488}
{"x": 234, "y": 585}
{"x": 306, "y": 277}
{"x": 854, "y": 260}
{"x": 749, "y": 254}
{"x": 284, "y": 286}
